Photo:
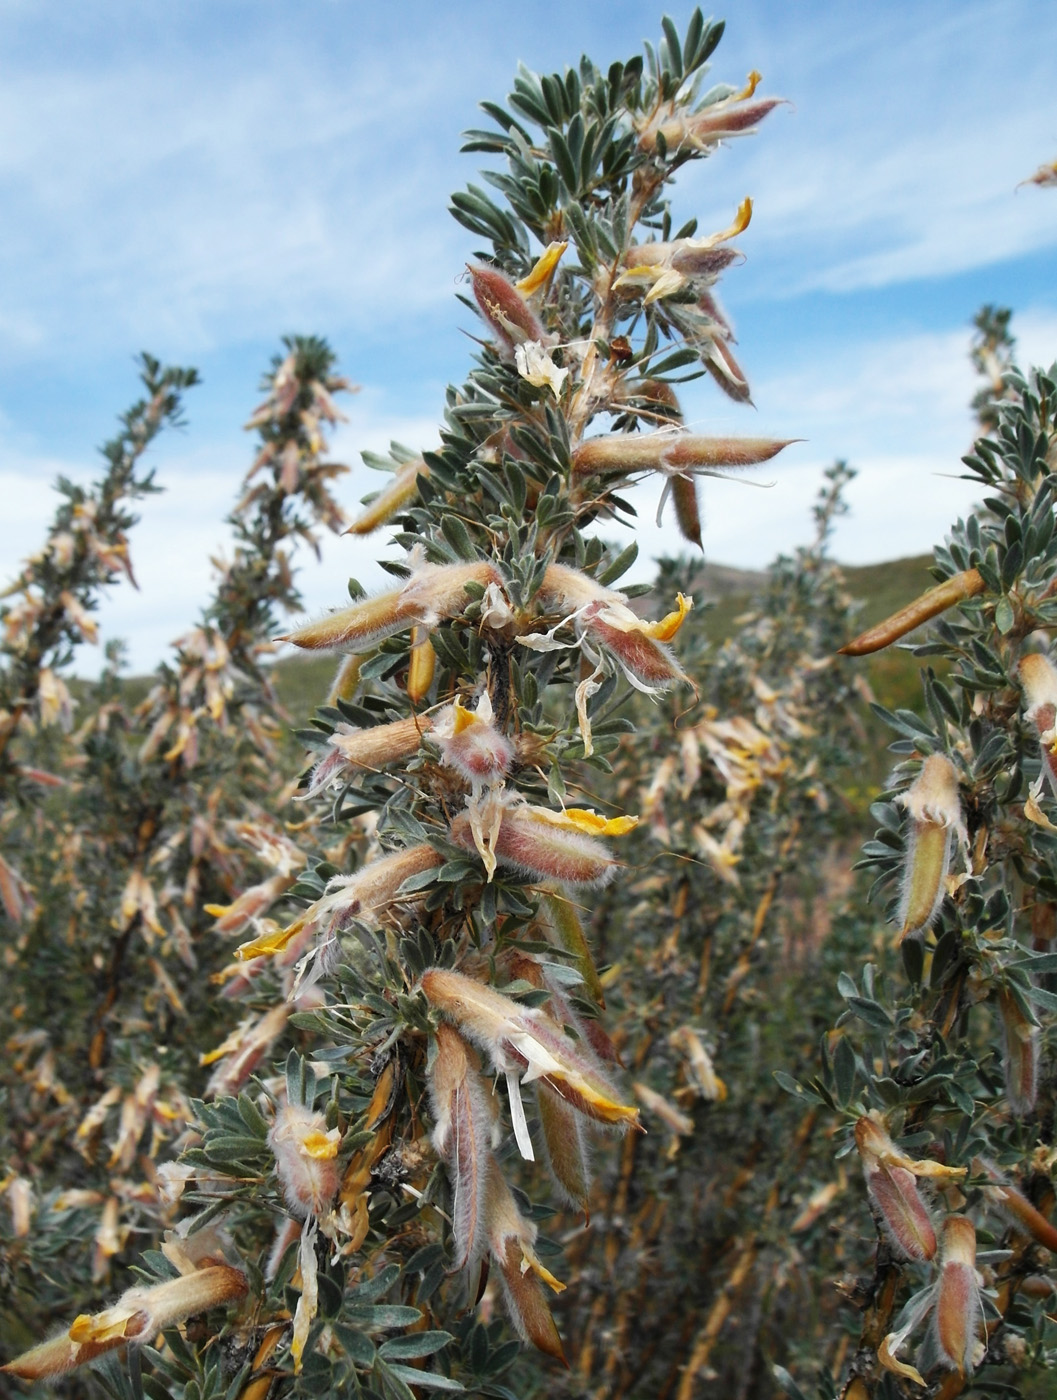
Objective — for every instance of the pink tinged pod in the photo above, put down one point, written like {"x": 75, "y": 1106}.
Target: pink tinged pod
{"x": 1021, "y": 1058}
{"x": 958, "y": 1314}
{"x": 305, "y": 1159}
{"x": 721, "y": 364}
{"x": 903, "y": 1213}
{"x": 531, "y": 842}
{"x": 685, "y": 452}
{"x": 683, "y": 256}
{"x": 721, "y": 120}
{"x": 648, "y": 664}
{"x": 934, "y": 807}
{"x": 687, "y": 511}
{"x": 893, "y": 1191}
{"x": 504, "y": 308}
{"x": 565, "y": 1140}
{"x": 465, "y": 1122}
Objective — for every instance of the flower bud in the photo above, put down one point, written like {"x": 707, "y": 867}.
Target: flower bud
{"x": 422, "y": 665}
{"x": 347, "y": 680}
{"x": 934, "y": 807}
{"x": 305, "y": 1154}
{"x": 958, "y": 1313}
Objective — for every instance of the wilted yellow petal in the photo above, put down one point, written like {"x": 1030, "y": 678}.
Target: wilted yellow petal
{"x": 752, "y": 82}
{"x": 531, "y": 1262}
{"x": 666, "y": 282}
{"x": 545, "y": 265}
{"x": 583, "y": 819}
{"x": 1034, "y": 813}
{"x": 322, "y": 1146}
{"x": 891, "y": 1363}
{"x": 269, "y": 943}
{"x": 102, "y": 1326}
{"x": 666, "y": 629}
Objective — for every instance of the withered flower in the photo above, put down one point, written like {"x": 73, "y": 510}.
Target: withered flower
{"x": 305, "y": 1158}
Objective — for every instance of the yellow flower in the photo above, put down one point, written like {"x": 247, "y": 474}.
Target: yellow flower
{"x": 544, "y": 266}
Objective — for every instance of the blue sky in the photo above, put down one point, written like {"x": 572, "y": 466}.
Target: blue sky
{"x": 197, "y": 178}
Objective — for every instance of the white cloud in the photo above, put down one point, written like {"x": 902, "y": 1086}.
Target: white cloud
{"x": 900, "y": 157}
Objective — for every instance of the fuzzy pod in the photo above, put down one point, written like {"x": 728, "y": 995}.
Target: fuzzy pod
{"x": 933, "y": 805}
{"x": 958, "y": 1316}
{"x": 511, "y": 1240}
{"x": 717, "y": 122}
{"x": 531, "y": 841}
{"x": 891, "y": 1182}
{"x": 504, "y": 308}
{"x": 526, "y": 1044}
{"x": 678, "y": 452}
{"x": 464, "y": 1128}
{"x": 565, "y": 1141}
{"x": 138, "y": 1316}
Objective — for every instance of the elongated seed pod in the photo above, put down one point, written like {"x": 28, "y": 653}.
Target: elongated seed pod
{"x": 630, "y": 452}
{"x": 931, "y": 603}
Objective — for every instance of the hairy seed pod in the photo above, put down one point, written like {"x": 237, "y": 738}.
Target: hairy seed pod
{"x": 958, "y": 1312}
{"x": 934, "y": 807}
